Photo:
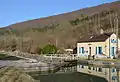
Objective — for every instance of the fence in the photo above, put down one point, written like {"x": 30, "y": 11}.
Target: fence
{"x": 51, "y": 57}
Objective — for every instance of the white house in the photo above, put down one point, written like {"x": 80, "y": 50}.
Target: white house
{"x": 98, "y": 45}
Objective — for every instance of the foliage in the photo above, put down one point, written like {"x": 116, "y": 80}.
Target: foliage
{"x": 52, "y": 26}
{"x": 4, "y": 31}
{"x": 16, "y": 32}
{"x": 74, "y": 22}
{"x": 45, "y": 28}
{"x": 49, "y": 49}
{"x": 38, "y": 29}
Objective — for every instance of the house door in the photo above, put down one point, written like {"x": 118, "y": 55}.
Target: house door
{"x": 100, "y": 50}
{"x": 90, "y": 51}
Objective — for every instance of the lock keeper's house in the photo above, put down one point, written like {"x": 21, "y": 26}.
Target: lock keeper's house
{"x": 104, "y": 44}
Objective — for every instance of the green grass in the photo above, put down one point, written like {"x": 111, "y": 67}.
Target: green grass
{"x": 7, "y": 57}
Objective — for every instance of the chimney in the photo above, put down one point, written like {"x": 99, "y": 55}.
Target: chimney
{"x": 101, "y": 31}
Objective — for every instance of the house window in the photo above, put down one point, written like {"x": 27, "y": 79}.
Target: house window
{"x": 89, "y": 67}
{"x": 99, "y": 50}
{"x": 82, "y": 50}
{"x": 100, "y": 69}
{"x": 113, "y": 41}
{"x": 82, "y": 66}
{"x": 113, "y": 70}
{"x": 114, "y": 77}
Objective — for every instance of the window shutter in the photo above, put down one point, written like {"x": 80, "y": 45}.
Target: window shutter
{"x": 80, "y": 50}
{"x": 96, "y": 50}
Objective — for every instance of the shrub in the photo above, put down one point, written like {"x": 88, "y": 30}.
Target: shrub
{"x": 49, "y": 49}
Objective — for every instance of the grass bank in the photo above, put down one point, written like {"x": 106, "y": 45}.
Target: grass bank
{"x": 10, "y": 74}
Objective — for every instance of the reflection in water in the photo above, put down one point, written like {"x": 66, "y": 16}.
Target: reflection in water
{"x": 78, "y": 73}
{"x": 110, "y": 74}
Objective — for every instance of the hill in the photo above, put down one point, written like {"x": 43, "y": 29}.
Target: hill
{"x": 63, "y": 30}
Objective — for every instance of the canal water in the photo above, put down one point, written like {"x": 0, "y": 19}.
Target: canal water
{"x": 79, "y": 73}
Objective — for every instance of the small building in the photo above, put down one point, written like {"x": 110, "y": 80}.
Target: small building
{"x": 69, "y": 51}
{"x": 98, "y": 45}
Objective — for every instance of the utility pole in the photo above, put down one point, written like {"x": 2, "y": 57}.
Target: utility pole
{"x": 56, "y": 42}
{"x": 116, "y": 26}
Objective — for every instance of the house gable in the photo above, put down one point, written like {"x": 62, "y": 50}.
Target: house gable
{"x": 112, "y": 38}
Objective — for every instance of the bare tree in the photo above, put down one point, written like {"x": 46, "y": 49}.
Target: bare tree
{"x": 111, "y": 24}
